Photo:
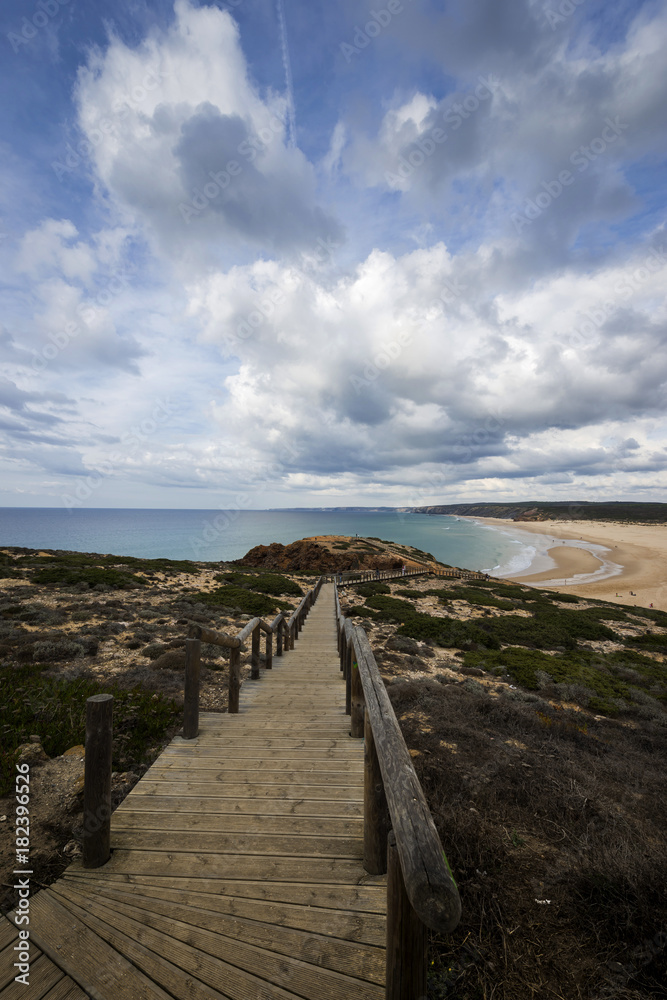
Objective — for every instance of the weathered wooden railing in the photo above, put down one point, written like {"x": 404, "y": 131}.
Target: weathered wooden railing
{"x": 351, "y": 577}
{"x": 400, "y": 837}
{"x": 286, "y": 631}
{"x": 99, "y": 708}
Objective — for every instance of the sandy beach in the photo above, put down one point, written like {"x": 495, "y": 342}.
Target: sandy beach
{"x": 638, "y": 552}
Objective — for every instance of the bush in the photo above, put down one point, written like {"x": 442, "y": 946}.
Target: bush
{"x": 248, "y": 602}
{"x": 55, "y": 708}
{"x": 265, "y": 583}
{"x": 92, "y": 576}
{"x": 372, "y": 589}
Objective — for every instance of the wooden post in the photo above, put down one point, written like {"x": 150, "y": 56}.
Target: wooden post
{"x": 234, "y": 680}
{"x": 268, "y": 651}
{"x": 348, "y": 676}
{"x": 279, "y": 638}
{"x": 376, "y": 812}
{"x": 191, "y": 697}
{"x": 356, "y": 700}
{"x": 407, "y": 937}
{"x": 97, "y": 781}
{"x": 254, "y": 656}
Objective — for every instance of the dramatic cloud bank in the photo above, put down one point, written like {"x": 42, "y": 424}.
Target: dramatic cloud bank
{"x": 433, "y": 269}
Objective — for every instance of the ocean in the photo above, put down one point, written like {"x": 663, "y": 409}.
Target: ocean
{"x": 216, "y": 535}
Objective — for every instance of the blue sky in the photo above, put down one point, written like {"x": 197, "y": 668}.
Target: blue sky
{"x": 276, "y": 253}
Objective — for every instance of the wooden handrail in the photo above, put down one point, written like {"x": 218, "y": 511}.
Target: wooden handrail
{"x": 428, "y": 879}
{"x": 421, "y": 890}
{"x": 282, "y": 627}
{"x": 353, "y": 577}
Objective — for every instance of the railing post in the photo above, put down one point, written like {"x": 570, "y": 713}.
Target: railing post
{"x": 279, "y": 637}
{"x": 97, "y": 781}
{"x": 268, "y": 651}
{"x": 191, "y": 696}
{"x": 254, "y": 655}
{"x": 407, "y": 937}
{"x": 376, "y": 811}
{"x": 234, "y": 680}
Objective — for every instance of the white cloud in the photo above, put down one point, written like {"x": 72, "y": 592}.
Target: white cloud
{"x": 192, "y": 152}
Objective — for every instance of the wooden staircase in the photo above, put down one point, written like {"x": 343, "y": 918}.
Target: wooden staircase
{"x": 236, "y": 869}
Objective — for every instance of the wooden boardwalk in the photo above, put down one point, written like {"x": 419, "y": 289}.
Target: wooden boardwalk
{"x": 236, "y": 869}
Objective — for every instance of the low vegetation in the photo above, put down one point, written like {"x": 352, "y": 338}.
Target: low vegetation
{"x": 34, "y": 700}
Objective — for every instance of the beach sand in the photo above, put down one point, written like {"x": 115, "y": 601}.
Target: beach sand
{"x": 640, "y": 549}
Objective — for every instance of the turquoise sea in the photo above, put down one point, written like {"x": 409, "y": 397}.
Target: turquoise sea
{"x": 214, "y": 535}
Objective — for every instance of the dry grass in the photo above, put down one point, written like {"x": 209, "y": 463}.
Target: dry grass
{"x": 533, "y": 804}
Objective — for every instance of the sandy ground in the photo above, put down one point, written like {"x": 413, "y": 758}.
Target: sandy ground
{"x": 640, "y": 549}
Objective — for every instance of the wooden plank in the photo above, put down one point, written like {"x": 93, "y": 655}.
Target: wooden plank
{"x": 8, "y": 932}
{"x": 301, "y": 977}
{"x": 66, "y": 989}
{"x": 368, "y": 928}
{"x": 8, "y": 957}
{"x": 242, "y": 867}
{"x": 218, "y": 805}
{"x": 368, "y": 896}
{"x": 265, "y": 764}
{"x": 259, "y": 844}
{"x": 348, "y": 957}
{"x": 282, "y": 740}
{"x": 42, "y": 977}
{"x": 256, "y": 777}
{"x": 84, "y": 956}
{"x": 214, "y": 979}
{"x": 234, "y": 823}
{"x": 243, "y": 750}
{"x": 215, "y": 789}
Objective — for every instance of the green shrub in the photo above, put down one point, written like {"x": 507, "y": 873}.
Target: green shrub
{"x": 448, "y": 632}
{"x": 265, "y": 583}
{"x": 55, "y": 708}
{"x": 548, "y": 629}
{"x": 71, "y": 576}
{"x": 247, "y": 601}
{"x": 654, "y": 642}
{"x": 373, "y": 588}
{"x": 581, "y": 669}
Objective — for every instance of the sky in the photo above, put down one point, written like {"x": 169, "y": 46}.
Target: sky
{"x": 295, "y": 253}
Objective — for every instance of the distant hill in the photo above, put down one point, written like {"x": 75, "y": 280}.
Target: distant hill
{"x": 566, "y": 510}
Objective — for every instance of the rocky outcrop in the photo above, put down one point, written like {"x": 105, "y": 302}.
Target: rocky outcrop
{"x": 310, "y": 557}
